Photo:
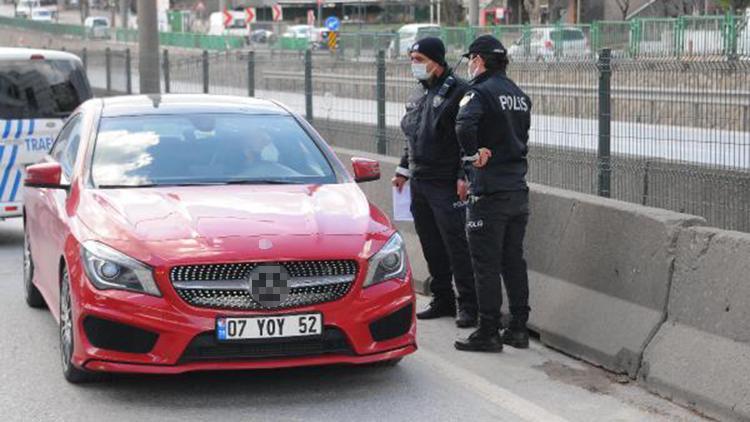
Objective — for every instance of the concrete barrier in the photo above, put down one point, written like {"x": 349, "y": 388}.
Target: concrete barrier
{"x": 701, "y": 355}
{"x": 599, "y": 274}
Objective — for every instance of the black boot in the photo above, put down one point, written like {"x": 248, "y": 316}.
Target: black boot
{"x": 516, "y": 337}
{"x": 466, "y": 318}
{"x": 437, "y": 308}
{"x": 485, "y": 339}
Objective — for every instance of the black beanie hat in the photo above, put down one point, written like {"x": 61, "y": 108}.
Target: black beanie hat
{"x": 432, "y": 47}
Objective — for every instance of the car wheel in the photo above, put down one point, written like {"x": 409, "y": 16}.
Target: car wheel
{"x": 33, "y": 298}
{"x": 71, "y": 373}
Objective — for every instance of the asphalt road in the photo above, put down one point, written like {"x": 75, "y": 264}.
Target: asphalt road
{"x": 435, "y": 384}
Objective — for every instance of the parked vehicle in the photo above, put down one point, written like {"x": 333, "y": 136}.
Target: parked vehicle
{"x": 38, "y": 90}
{"x": 41, "y": 15}
{"x": 191, "y": 232}
{"x": 407, "y": 35}
{"x": 237, "y": 26}
{"x": 550, "y": 43}
{"x": 97, "y": 27}
{"x": 25, "y": 7}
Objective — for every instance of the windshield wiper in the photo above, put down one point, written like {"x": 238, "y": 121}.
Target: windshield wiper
{"x": 159, "y": 185}
{"x": 260, "y": 182}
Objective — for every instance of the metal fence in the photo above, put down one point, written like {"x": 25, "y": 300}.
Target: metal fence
{"x": 687, "y": 36}
{"x": 669, "y": 133}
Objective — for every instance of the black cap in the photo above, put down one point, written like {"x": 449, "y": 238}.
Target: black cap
{"x": 486, "y": 44}
{"x": 432, "y": 47}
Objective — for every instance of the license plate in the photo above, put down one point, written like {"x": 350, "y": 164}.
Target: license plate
{"x": 267, "y": 327}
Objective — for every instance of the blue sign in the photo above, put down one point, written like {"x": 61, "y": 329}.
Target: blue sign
{"x": 333, "y": 23}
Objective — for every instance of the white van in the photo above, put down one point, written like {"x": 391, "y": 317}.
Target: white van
{"x": 237, "y": 25}
{"x": 38, "y": 91}
{"x": 25, "y": 7}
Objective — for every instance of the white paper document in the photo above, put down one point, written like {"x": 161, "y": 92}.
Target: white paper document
{"x": 402, "y": 204}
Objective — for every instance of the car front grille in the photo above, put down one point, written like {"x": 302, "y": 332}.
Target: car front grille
{"x": 226, "y": 286}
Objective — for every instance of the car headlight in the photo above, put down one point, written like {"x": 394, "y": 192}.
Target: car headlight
{"x": 390, "y": 262}
{"x": 111, "y": 269}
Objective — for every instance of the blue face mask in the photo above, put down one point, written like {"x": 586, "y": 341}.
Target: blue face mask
{"x": 419, "y": 70}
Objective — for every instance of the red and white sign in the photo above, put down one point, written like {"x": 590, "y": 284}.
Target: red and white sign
{"x": 278, "y": 13}
{"x": 250, "y": 15}
{"x": 311, "y": 17}
{"x": 499, "y": 13}
{"x": 227, "y": 18}
{"x": 320, "y": 2}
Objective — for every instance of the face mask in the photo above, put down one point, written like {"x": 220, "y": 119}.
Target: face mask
{"x": 470, "y": 73}
{"x": 419, "y": 70}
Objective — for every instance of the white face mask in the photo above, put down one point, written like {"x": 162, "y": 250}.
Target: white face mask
{"x": 471, "y": 73}
{"x": 419, "y": 70}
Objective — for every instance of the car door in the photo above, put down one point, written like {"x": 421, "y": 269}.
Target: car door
{"x": 47, "y": 216}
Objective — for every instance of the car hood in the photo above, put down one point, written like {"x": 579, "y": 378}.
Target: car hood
{"x": 175, "y": 222}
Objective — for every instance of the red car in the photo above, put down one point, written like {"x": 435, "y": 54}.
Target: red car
{"x": 190, "y": 232}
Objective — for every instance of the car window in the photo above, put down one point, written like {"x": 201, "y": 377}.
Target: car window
{"x": 572, "y": 35}
{"x": 65, "y": 149}
{"x": 206, "y": 148}
{"x": 41, "y": 88}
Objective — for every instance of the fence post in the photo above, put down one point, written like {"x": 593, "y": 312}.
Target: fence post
{"x": 128, "y": 73}
{"x": 205, "y": 71}
{"x": 679, "y": 36}
{"x": 636, "y": 31}
{"x": 165, "y": 64}
{"x": 730, "y": 36}
{"x": 604, "y": 167}
{"x": 108, "y": 68}
{"x": 85, "y": 58}
{"x": 251, "y": 74}
{"x": 380, "y": 94}
{"x": 308, "y": 86}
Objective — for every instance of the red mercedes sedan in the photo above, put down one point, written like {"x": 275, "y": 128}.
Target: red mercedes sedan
{"x": 177, "y": 233}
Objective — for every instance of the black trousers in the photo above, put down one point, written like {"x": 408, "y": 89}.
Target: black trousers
{"x": 440, "y": 219}
{"x": 496, "y": 227}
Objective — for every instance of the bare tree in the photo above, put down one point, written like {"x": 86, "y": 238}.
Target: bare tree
{"x": 624, "y": 6}
{"x": 533, "y": 10}
{"x": 452, "y": 12}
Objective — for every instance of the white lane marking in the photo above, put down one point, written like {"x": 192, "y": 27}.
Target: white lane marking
{"x": 495, "y": 394}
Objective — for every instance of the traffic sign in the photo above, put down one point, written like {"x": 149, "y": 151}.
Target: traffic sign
{"x": 333, "y": 23}
{"x": 227, "y": 18}
{"x": 250, "y": 15}
{"x": 332, "y": 40}
{"x": 278, "y": 13}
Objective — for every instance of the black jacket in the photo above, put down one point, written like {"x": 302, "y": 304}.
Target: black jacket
{"x": 432, "y": 151}
{"x": 495, "y": 114}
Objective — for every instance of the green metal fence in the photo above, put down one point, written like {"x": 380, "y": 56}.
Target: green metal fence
{"x": 686, "y": 36}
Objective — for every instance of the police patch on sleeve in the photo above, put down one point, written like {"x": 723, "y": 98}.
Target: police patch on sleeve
{"x": 466, "y": 99}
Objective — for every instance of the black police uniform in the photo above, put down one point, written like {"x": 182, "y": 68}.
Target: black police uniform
{"x": 431, "y": 161}
{"x": 496, "y": 114}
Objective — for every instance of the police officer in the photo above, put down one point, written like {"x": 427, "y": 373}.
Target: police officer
{"x": 432, "y": 163}
{"x": 493, "y": 130}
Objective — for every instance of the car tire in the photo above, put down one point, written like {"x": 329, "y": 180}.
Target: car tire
{"x": 72, "y": 374}
{"x": 33, "y": 297}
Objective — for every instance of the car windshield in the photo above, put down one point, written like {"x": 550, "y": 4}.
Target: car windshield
{"x": 41, "y": 88}
{"x": 206, "y": 149}
{"x": 99, "y": 22}
{"x": 42, "y": 13}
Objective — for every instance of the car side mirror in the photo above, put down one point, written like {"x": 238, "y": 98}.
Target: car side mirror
{"x": 365, "y": 170}
{"x": 44, "y": 175}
